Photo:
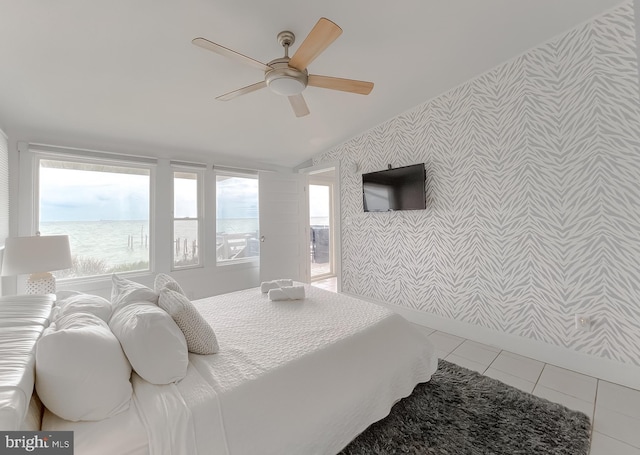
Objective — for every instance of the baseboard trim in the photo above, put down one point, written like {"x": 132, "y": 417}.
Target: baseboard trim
{"x": 608, "y": 370}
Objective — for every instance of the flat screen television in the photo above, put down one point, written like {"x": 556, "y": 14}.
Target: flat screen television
{"x": 401, "y": 188}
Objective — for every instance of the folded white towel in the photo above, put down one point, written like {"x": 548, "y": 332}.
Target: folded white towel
{"x": 287, "y": 293}
{"x": 265, "y": 286}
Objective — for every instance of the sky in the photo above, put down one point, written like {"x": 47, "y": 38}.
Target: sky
{"x": 185, "y": 200}
{"x": 73, "y": 195}
{"x": 236, "y": 197}
{"x": 78, "y": 195}
{"x": 318, "y": 201}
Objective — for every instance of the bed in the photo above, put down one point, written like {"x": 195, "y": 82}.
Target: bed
{"x": 291, "y": 377}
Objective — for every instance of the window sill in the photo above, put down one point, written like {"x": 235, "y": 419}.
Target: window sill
{"x": 187, "y": 268}
{"x": 91, "y": 282}
{"x": 239, "y": 264}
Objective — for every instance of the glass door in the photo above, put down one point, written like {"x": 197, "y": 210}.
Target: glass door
{"x": 321, "y": 228}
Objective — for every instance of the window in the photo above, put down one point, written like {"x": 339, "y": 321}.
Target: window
{"x": 236, "y": 217}
{"x": 103, "y": 208}
{"x": 186, "y": 219}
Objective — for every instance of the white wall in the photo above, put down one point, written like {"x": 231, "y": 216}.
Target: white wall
{"x": 533, "y": 188}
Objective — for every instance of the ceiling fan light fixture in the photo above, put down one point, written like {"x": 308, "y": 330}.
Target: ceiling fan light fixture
{"x": 284, "y": 80}
{"x": 286, "y": 85}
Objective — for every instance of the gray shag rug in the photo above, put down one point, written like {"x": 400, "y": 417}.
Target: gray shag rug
{"x": 461, "y": 412}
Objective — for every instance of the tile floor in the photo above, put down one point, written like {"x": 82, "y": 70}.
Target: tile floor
{"x": 614, "y": 410}
{"x": 328, "y": 283}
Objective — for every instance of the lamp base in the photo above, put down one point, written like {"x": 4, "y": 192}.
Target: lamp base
{"x": 41, "y": 283}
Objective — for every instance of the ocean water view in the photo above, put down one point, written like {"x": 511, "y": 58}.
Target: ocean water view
{"x": 100, "y": 247}
{"x": 319, "y": 221}
{"x": 116, "y": 242}
{"x": 124, "y": 245}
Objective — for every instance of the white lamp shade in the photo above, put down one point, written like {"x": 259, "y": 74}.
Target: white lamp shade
{"x": 37, "y": 254}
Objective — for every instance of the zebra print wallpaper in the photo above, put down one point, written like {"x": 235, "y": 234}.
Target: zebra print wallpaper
{"x": 533, "y": 197}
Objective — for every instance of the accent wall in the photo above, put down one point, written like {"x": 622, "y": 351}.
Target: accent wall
{"x": 533, "y": 197}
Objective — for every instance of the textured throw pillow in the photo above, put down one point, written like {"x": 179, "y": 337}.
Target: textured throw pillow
{"x": 124, "y": 292}
{"x": 83, "y": 303}
{"x": 166, "y": 281}
{"x": 200, "y": 337}
{"x": 152, "y": 341}
{"x": 81, "y": 371}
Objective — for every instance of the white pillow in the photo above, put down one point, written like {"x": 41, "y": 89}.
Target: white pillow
{"x": 124, "y": 292}
{"x": 83, "y": 303}
{"x": 201, "y": 339}
{"x": 81, "y": 371}
{"x": 153, "y": 343}
{"x": 64, "y": 294}
{"x": 163, "y": 280}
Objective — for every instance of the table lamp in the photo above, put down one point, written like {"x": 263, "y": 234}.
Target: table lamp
{"x": 37, "y": 255}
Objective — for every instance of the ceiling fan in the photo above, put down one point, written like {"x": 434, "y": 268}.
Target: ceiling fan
{"x": 289, "y": 76}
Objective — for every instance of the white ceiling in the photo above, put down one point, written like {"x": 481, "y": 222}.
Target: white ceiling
{"x": 123, "y": 74}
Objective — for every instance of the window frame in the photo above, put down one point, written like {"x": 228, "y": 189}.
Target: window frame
{"x": 199, "y": 171}
{"x": 242, "y": 173}
{"x": 99, "y": 158}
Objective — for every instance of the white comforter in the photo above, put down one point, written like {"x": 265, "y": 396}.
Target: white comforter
{"x": 295, "y": 377}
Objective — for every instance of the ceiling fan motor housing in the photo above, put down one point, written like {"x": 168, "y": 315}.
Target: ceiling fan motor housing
{"x": 285, "y": 80}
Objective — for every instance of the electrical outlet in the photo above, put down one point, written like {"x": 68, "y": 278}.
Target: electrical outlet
{"x": 583, "y": 323}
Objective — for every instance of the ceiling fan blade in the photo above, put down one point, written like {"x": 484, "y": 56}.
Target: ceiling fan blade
{"x": 242, "y": 91}
{"x": 337, "y": 83}
{"x": 319, "y": 38}
{"x": 218, "y": 49}
{"x": 299, "y": 105}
